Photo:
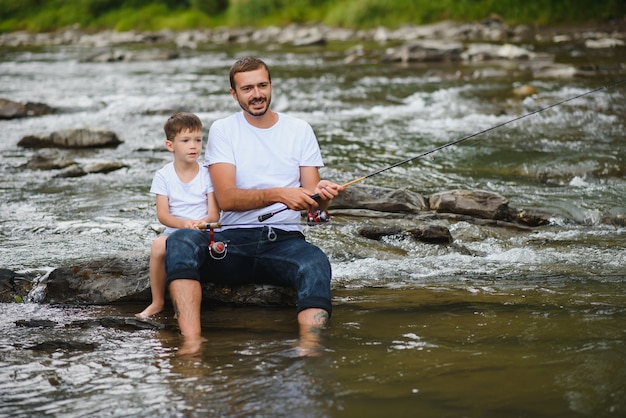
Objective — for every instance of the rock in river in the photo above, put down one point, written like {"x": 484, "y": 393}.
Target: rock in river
{"x": 72, "y": 138}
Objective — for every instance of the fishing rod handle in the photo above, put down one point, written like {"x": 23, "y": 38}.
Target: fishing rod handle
{"x": 266, "y": 216}
{"x": 210, "y": 225}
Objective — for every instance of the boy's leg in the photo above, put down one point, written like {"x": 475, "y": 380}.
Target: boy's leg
{"x": 157, "y": 278}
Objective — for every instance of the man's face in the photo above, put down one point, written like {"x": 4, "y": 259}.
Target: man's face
{"x": 253, "y": 91}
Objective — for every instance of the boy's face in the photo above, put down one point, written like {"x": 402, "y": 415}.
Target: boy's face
{"x": 186, "y": 146}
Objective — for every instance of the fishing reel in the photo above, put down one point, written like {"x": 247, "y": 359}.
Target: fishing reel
{"x": 316, "y": 217}
{"x": 217, "y": 249}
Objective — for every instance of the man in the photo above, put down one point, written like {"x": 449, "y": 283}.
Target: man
{"x": 260, "y": 161}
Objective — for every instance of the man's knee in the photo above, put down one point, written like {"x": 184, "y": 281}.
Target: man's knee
{"x": 316, "y": 264}
{"x": 314, "y": 282}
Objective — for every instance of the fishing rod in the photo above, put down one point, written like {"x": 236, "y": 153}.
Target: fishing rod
{"x": 316, "y": 196}
{"x": 218, "y": 225}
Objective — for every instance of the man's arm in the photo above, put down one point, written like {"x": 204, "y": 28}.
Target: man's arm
{"x": 230, "y": 198}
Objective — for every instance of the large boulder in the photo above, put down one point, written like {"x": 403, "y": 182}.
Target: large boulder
{"x": 15, "y": 287}
{"x": 72, "y": 138}
{"x": 435, "y": 234}
{"x": 10, "y": 109}
{"x": 425, "y": 51}
{"x": 380, "y": 199}
{"x": 54, "y": 159}
{"x": 125, "y": 278}
{"x": 478, "y": 203}
{"x": 110, "y": 279}
{"x": 48, "y": 159}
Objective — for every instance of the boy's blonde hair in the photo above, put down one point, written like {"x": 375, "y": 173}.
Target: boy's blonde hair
{"x": 179, "y": 122}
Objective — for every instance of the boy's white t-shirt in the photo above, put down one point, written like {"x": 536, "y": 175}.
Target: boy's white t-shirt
{"x": 186, "y": 200}
{"x": 264, "y": 158}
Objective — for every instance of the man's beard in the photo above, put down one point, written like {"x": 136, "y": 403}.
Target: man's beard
{"x": 247, "y": 107}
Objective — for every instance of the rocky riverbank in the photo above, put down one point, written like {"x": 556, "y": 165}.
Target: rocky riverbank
{"x": 491, "y": 29}
{"x": 488, "y": 40}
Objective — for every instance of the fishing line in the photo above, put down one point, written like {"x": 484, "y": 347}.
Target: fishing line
{"x": 316, "y": 196}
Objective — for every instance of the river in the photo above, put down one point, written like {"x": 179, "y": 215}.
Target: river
{"x": 499, "y": 323}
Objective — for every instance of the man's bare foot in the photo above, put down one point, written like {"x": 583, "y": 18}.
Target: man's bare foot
{"x": 190, "y": 346}
{"x": 152, "y": 309}
{"x": 308, "y": 346}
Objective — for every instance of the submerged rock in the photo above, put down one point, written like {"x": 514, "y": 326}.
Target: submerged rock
{"x": 63, "y": 345}
{"x": 36, "y": 323}
{"x": 123, "y": 323}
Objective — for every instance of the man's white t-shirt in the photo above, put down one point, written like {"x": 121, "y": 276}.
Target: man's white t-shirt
{"x": 186, "y": 200}
{"x": 264, "y": 158}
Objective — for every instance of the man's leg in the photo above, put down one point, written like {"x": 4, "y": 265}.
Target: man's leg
{"x": 295, "y": 262}
{"x": 313, "y": 317}
{"x": 186, "y": 296}
{"x": 311, "y": 322}
{"x": 304, "y": 266}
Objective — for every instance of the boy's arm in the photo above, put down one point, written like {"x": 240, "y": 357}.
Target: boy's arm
{"x": 166, "y": 218}
{"x": 213, "y": 209}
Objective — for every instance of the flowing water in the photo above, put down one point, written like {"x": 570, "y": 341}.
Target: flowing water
{"x": 500, "y": 323}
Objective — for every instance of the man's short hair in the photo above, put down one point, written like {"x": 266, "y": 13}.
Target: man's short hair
{"x": 244, "y": 65}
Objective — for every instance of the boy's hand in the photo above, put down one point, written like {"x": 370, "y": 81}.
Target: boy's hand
{"x": 191, "y": 224}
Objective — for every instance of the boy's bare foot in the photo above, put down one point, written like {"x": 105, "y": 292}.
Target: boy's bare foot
{"x": 152, "y": 309}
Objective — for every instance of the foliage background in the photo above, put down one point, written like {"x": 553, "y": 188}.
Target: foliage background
{"x": 49, "y": 15}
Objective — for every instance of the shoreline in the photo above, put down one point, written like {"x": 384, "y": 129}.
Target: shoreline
{"x": 491, "y": 29}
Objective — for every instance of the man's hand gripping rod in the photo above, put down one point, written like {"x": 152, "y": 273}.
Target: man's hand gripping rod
{"x": 315, "y": 197}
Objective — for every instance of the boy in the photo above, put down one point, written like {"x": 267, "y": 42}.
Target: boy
{"x": 184, "y": 196}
